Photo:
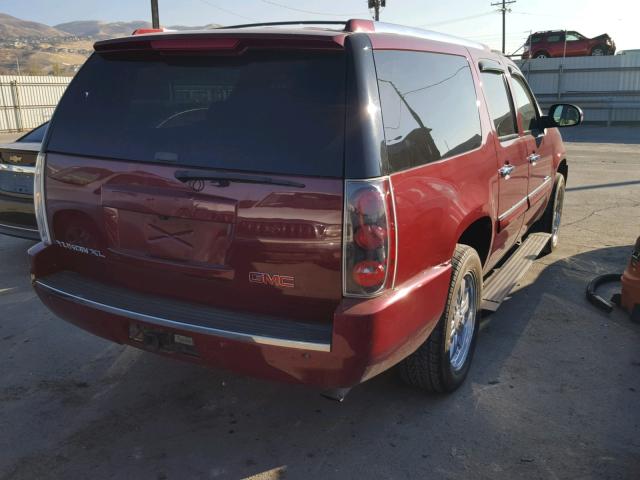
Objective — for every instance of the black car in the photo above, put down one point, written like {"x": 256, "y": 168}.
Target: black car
{"x": 17, "y": 164}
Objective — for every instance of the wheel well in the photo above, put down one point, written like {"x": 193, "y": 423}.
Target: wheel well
{"x": 563, "y": 168}
{"x": 478, "y": 236}
{"x": 539, "y": 52}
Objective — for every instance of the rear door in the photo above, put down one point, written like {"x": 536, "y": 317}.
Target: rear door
{"x": 209, "y": 178}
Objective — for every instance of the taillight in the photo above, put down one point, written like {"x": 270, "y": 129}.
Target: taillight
{"x": 39, "y": 200}
{"x": 369, "y": 237}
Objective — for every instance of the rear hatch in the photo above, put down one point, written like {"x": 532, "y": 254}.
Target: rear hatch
{"x": 211, "y": 178}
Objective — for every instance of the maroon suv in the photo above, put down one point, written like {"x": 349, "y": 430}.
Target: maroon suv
{"x": 561, "y": 43}
{"x": 300, "y": 204}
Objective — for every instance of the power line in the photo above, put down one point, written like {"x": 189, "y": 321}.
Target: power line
{"x": 459, "y": 19}
{"x": 227, "y": 11}
{"x": 504, "y": 10}
{"x": 376, "y": 5}
{"x": 301, "y": 10}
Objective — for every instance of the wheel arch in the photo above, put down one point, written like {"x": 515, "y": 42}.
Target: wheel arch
{"x": 563, "y": 168}
{"x": 478, "y": 234}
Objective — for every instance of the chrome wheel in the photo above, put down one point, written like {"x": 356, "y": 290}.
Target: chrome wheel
{"x": 463, "y": 321}
{"x": 557, "y": 216}
{"x": 597, "y": 52}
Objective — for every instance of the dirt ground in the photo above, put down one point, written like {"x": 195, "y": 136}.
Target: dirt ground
{"x": 554, "y": 391}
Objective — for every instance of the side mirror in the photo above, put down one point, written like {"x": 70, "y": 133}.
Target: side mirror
{"x": 563, "y": 115}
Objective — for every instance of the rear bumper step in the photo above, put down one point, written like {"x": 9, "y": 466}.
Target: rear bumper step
{"x": 152, "y": 310}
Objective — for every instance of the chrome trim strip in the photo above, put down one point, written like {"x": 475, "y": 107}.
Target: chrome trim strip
{"x": 14, "y": 227}
{"x": 395, "y": 225}
{"x": 17, "y": 168}
{"x": 534, "y": 192}
{"x": 243, "y": 337}
{"x": 513, "y": 208}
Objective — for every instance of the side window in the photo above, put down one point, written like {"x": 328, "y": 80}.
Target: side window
{"x": 429, "y": 106}
{"x": 573, "y": 37}
{"x": 498, "y": 104}
{"x": 524, "y": 103}
{"x": 553, "y": 38}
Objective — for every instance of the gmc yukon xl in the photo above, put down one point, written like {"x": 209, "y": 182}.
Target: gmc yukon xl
{"x": 311, "y": 205}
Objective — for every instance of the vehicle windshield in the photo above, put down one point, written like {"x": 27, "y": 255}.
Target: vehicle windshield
{"x": 261, "y": 111}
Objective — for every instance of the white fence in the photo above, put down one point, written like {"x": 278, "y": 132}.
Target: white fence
{"x": 607, "y": 88}
{"x": 26, "y": 101}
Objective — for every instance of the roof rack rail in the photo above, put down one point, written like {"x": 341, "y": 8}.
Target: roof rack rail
{"x": 360, "y": 25}
{"x": 277, "y": 24}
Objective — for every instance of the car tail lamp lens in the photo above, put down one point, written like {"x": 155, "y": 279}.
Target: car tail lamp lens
{"x": 39, "y": 200}
{"x": 369, "y": 237}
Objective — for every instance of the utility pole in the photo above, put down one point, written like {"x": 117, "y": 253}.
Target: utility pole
{"x": 375, "y": 5}
{"x": 155, "y": 18}
{"x": 503, "y": 8}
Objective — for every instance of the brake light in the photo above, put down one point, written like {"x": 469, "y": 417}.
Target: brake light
{"x": 369, "y": 237}
{"x": 145, "y": 31}
{"x": 39, "y": 199}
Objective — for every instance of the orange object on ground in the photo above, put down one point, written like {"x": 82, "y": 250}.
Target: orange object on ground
{"x": 630, "y": 297}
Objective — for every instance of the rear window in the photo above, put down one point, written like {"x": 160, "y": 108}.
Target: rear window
{"x": 36, "y": 135}
{"x": 262, "y": 111}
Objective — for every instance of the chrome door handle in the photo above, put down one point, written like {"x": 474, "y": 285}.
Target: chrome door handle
{"x": 506, "y": 171}
{"x": 533, "y": 158}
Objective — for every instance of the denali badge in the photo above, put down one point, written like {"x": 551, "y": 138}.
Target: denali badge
{"x": 282, "y": 281}
{"x": 80, "y": 249}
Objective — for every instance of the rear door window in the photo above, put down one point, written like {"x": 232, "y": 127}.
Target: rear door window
{"x": 429, "y": 106}
{"x": 499, "y": 105}
{"x": 261, "y": 111}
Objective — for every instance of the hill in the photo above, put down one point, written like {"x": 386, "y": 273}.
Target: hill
{"x": 100, "y": 30}
{"x": 12, "y": 27}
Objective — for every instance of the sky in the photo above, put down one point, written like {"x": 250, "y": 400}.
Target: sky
{"x": 473, "y": 19}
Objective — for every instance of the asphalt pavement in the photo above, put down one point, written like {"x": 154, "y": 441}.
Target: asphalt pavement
{"x": 554, "y": 391}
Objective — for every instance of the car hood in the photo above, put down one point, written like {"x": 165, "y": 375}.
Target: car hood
{"x": 22, "y": 146}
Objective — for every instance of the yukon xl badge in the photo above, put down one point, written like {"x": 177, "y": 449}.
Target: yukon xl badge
{"x": 80, "y": 249}
{"x": 275, "y": 280}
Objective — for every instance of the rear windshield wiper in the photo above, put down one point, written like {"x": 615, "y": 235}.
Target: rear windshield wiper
{"x": 223, "y": 179}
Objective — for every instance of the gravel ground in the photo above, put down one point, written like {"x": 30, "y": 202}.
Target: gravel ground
{"x": 554, "y": 391}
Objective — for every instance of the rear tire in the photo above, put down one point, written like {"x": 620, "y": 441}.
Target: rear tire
{"x": 550, "y": 220}
{"x": 541, "y": 55}
{"x": 442, "y": 362}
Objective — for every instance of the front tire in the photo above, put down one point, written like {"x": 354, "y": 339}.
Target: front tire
{"x": 599, "y": 51}
{"x": 442, "y": 362}
{"x": 552, "y": 217}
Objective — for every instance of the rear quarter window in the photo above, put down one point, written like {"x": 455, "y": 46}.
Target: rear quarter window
{"x": 276, "y": 112}
{"x": 429, "y": 106}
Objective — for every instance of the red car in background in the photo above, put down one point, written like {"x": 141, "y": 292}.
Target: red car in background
{"x": 552, "y": 44}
